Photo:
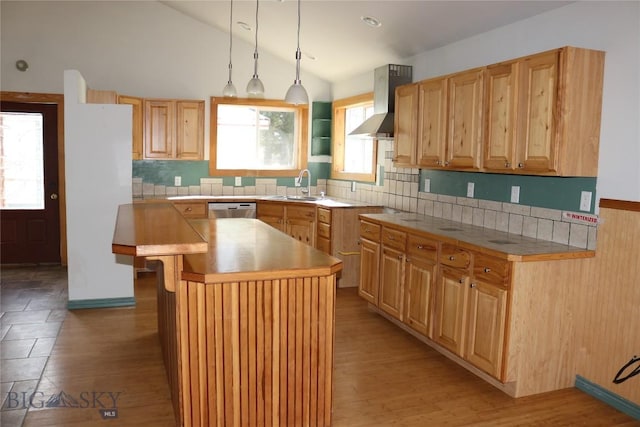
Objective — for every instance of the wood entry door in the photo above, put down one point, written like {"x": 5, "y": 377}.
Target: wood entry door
{"x": 30, "y": 223}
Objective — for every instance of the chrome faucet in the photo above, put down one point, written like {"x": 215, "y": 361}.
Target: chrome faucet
{"x": 306, "y": 191}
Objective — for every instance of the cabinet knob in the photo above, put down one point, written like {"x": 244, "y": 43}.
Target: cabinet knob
{"x": 452, "y": 258}
{"x": 359, "y": 242}
{"x": 407, "y": 260}
{"x": 390, "y": 238}
{"x": 507, "y": 164}
{"x": 438, "y": 163}
{"x": 189, "y": 209}
{"x": 420, "y": 247}
{"x": 446, "y": 163}
{"x": 520, "y": 165}
{"x": 487, "y": 270}
{"x": 473, "y": 285}
{"x": 461, "y": 281}
{"x": 399, "y": 256}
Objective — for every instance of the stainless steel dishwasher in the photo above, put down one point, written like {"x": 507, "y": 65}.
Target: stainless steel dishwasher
{"x": 232, "y": 210}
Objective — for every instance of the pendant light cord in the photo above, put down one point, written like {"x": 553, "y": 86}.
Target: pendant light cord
{"x": 230, "y": 38}
{"x": 255, "y": 53}
{"x": 298, "y": 53}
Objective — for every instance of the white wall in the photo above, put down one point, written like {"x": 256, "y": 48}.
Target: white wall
{"x": 138, "y": 48}
{"x": 611, "y": 26}
{"x": 94, "y": 190}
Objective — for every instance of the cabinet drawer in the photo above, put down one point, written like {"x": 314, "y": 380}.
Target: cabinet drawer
{"x": 370, "y": 231}
{"x": 324, "y": 230}
{"x": 270, "y": 209}
{"x": 492, "y": 270}
{"x": 192, "y": 210}
{"x": 454, "y": 257}
{"x": 324, "y": 245}
{"x": 420, "y": 247}
{"x": 324, "y": 215}
{"x": 394, "y": 238}
{"x": 301, "y": 212}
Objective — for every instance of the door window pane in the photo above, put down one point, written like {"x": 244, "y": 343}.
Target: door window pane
{"x": 21, "y": 161}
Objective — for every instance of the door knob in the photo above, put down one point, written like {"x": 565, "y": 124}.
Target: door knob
{"x": 53, "y": 196}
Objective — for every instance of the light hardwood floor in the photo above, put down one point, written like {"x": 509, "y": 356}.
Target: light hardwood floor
{"x": 383, "y": 376}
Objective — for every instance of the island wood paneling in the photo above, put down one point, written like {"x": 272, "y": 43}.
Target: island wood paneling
{"x": 255, "y": 353}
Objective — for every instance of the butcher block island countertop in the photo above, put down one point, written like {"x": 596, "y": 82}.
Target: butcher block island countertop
{"x": 245, "y": 317}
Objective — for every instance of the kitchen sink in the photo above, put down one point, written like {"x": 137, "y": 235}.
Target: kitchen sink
{"x": 306, "y": 198}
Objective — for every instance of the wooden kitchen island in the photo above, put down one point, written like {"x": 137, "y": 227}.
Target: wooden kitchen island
{"x": 245, "y": 317}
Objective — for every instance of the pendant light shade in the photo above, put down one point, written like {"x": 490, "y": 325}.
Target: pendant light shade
{"x": 255, "y": 88}
{"x": 230, "y": 90}
{"x": 297, "y": 94}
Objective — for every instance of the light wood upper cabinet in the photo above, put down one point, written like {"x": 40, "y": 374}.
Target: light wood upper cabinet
{"x": 137, "y": 124}
{"x": 406, "y": 125}
{"x": 190, "y": 130}
{"x": 432, "y": 122}
{"x": 173, "y": 129}
{"x": 543, "y": 113}
{"x": 500, "y": 117}
{"x": 464, "y": 137}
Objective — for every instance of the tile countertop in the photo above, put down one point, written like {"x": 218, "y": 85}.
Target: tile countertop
{"x": 508, "y": 246}
{"x": 330, "y": 202}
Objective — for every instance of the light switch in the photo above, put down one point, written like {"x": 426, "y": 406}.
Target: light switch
{"x": 238, "y": 181}
{"x": 177, "y": 181}
{"x": 470, "y": 189}
{"x": 427, "y": 185}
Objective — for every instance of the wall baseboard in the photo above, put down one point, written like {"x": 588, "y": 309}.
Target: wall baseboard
{"x": 101, "y": 303}
{"x": 608, "y": 397}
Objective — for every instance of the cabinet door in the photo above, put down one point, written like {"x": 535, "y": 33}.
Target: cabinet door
{"x": 137, "y": 122}
{"x": 272, "y": 214}
{"x": 464, "y": 138}
{"x": 499, "y": 136}
{"x": 419, "y": 279}
{"x": 301, "y": 229}
{"x": 369, "y": 263}
{"x": 538, "y": 149}
{"x": 450, "y": 312}
{"x": 432, "y": 122}
{"x": 405, "y": 125}
{"x": 159, "y": 130}
{"x": 190, "y": 130}
{"x": 391, "y": 284}
{"x": 486, "y": 328}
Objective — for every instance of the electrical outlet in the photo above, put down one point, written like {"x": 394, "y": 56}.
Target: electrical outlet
{"x": 177, "y": 181}
{"x": 585, "y": 201}
{"x": 353, "y": 186}
{"x": 238, "y": 182}
{"x": 297, "y": 182}
{"x": 470, "y": 189}
{"x": 427, "y": 185}
{"x": 515, "y": 194}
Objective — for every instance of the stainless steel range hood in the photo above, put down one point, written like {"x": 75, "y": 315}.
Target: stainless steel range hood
{"x": 386, "y": 79}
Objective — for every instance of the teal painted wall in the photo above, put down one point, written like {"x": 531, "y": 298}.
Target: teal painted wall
{"x": 162, "y": 172}
{"x": 561, "y": 193}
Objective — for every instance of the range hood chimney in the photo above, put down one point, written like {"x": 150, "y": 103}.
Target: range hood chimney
{"x": 386, "y": 79}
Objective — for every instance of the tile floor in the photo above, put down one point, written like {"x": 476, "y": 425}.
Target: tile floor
{"x": 33, "y": 305}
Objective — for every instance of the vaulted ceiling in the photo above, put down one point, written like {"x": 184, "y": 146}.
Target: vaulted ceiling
{"x": 333, "y": 32}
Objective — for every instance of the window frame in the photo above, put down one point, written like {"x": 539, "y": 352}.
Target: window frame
{"x": 302, "y": 137}
{"x": 338, "y": 143}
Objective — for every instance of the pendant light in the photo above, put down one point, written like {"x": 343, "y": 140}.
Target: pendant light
{"x": 255, "y": 88}
{"x": 230, "y": 90}
{"x": 297, "y": 94}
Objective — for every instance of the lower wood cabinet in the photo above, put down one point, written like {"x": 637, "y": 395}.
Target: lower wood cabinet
{"x": 456, "y": 298}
